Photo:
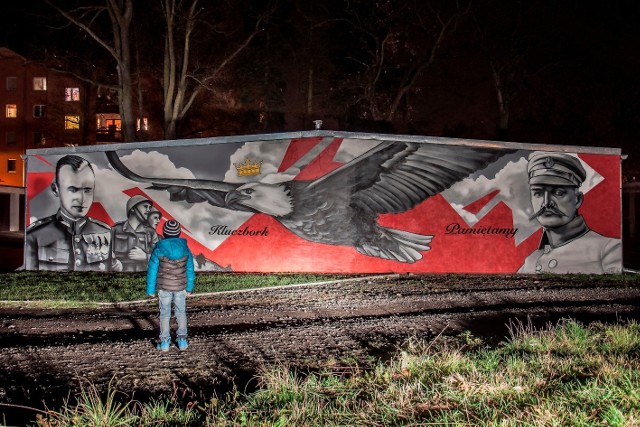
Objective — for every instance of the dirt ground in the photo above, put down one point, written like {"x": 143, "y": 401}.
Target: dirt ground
{"x": 47, "y": 355}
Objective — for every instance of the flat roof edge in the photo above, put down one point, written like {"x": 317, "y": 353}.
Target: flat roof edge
{"x": 322, "y": 133}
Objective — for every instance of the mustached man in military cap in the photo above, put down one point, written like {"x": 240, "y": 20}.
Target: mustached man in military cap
{"x": 133, "y": 239}
{"x": 567, "y": 244}
{"x": 69, "y": 240}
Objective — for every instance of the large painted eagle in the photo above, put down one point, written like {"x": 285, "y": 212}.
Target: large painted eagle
{"x": 342, "y": 207}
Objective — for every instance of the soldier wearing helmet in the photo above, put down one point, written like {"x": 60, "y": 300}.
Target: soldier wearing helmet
{"x": 567, "y": 244}
{"x": 132, "y": 239}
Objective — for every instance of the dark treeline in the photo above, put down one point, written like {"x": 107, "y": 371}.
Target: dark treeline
{"x": 529, "y": 71}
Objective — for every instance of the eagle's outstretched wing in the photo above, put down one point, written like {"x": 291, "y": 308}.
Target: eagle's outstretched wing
{"x": 189, "y": 190}
{"x": 394, "y": 177}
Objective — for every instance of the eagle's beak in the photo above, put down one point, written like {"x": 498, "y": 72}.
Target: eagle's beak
{"x": 233, "y": 197}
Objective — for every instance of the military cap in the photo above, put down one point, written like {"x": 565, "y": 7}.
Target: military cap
{"x": 555, "y": 169}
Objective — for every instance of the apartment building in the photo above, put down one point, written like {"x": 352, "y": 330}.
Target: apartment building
{"x": 40, "y": 107}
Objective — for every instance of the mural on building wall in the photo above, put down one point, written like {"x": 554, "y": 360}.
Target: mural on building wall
{"x": 328, "y": 204}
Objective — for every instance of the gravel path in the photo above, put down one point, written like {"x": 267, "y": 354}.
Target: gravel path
{"x": 48, "y": 354}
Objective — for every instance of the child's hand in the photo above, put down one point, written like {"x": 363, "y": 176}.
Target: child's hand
{"x": 188, "y": 293}
{"x": 150, "y": 296}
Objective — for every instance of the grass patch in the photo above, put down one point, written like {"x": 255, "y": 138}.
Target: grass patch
{"x": 87, "y": 288}
{"x": 567, "y": 374}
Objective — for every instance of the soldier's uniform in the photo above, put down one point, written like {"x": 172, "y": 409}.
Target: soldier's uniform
{"x": 580, "y": 250}
{"x": 572, "y": 247}
{"x": 63, "y": 244}
{"x": 126, "y": 238}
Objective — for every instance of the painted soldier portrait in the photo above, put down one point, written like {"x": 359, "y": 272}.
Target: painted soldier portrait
{"x": 153, "y": 219}
{"x": 133, "y": 239}
{"x": 69, "y": 240}
{"x": 568, "y": 245}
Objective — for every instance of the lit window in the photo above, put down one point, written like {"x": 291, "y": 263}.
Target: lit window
{"x": 11, "y": 165}
{"x": 72, "y": 94}
{"x": 11, "y": 137}
{"x": 72, "y": 122}
{"x": 38, "y": 138}
{"x": 143, "y": 124}
{"x": 12, "y": 83}
{"x": 12, "y": 111}
{"x": 39, "y": 110}
{"x": 39, "y": 83}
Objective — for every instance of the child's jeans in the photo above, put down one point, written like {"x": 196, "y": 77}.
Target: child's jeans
{"x": 179, "y": 300}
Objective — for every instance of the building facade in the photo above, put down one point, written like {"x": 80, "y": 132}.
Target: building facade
{"x": 41, "y": 108}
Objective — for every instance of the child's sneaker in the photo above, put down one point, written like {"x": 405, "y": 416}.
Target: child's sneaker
{"x": 182, "y": 343}
{"x": 163, "y": 345}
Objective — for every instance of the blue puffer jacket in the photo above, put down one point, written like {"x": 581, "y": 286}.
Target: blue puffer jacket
{"x": 170, "y": 266}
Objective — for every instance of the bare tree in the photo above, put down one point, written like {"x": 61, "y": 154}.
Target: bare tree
{"x": 120, "y": 14}
{"x": 184, "y": 76}
{"x": 507, "y": 46}
{"x": 399, "y": 42}
{"x": 316, "y": 21}
{"x": 504, "y": 57}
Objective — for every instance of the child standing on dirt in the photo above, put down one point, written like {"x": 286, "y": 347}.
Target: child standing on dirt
{"x": 171, "y": 272}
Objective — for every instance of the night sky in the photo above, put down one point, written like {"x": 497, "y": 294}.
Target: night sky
{"x": 581, "y": 85}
